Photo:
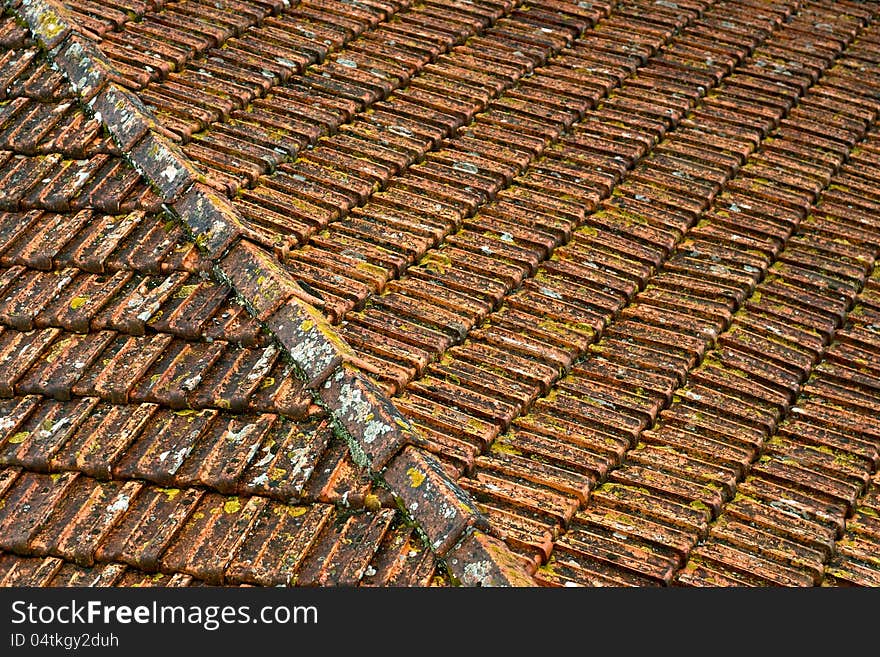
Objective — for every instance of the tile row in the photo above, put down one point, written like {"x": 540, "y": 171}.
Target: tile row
{"x": 272, "y": 455}
{"x": 156, "y": 368}
{"x": 29, "y": 127}
{"x": 25, "y": 74}
{"x": 52, "y": 182}
{"x": 96, "y": 243}
{"x": 184, "y": 305}
{"x": 101, "y": 16}
{"x": 52, "y": 571}
{"x": 70, "y": 521}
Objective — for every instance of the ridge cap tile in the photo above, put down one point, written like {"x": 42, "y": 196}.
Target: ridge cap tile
{"x": 48, "y": 20}
{"x": 375, "y": 431}
{"x": 483, "y": 560}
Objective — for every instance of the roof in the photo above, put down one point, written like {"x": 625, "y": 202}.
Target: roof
{"x": 384, "y": 293}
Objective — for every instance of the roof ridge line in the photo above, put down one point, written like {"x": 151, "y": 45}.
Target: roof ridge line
{"x": 379, "y": 437}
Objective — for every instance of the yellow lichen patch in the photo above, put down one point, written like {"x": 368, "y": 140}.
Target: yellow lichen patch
{"x": 372, "y": 502}
{"x": 499, "y": 447}
{"x": 588, "y": 230}
{"x": 78, "y": 302}
{"x": 436, "y": 262}
{"x": 185, "y": 291}
{"x": 368, "y": 267}
{"x": 474, "y": 425}
{"x": 57, "y": 348}
{"x": 467, "y": 509}
{"x": 232, "y": 506}
{"x": 20, "y": 437}
{"x": 49, "y": 25}
{"x": 170, "y": 493}
{"x": 416, "y": 478}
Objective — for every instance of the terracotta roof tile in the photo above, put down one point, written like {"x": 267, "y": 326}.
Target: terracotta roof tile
{"x": 20, "y": 350}
{"x": 31, "y": 500}
{"x": 282, "y": 536}
{"x": 210, "y": 537}
{"x": 401, "y": 561}
{"x": 177, "y": 373}
{"x": 101, "y": 438}
{"x": 71, "y": 574}
{"x": 24, "y": 571}
{"x": 136, "y": 578}
{"x": 61, "y": 366}
{"x": 566, "y": 570}
{"x": 338, "y": 479}
{"x": 8, "y": 475}
{"x": 343, "y": 552}
{"x": 286, "y": 460}
{"x": 48, "y": 427}
{"x": 759, "y": 571}
{"x": 160, "y": 449}
{"x": 420, "y": 484}
{"x": 87, "y": 513}
{"x": 155, "y": 516}
{"x": 631, "y": 558}
{"x": 278, "y": 392}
